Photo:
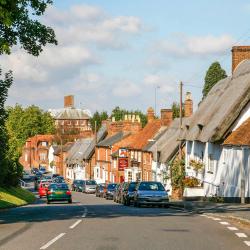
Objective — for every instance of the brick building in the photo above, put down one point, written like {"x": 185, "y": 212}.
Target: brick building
{"x": 239, "y": 54}
{"x": 71, "y": 123}
{"x": 35, "y": 152}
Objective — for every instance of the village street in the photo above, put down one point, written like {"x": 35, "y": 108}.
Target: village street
{"x": 95, "y": 223}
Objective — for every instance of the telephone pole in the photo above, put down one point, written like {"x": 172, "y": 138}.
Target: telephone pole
{"x": 181, "y": 89}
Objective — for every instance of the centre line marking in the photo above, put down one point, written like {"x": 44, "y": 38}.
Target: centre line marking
{"x": 247, "y": 243}
{"x": 224, "y": 223}
{"x": 241, "y": 235}
{"x": 233, "y": 228}
{"x": 52, "y": 241}
{"x": 216, "y": 219}
{"x": 75, "y": 224}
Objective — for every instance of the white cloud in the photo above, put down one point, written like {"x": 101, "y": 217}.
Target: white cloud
{"x": 184, "y": 46}
{"x": 126, "y": 89}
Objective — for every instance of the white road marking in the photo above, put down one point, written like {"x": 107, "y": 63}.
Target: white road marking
{"x": 53, "y": 241}
{"x": 224, "y": 223}
{"x": 85, "y": 212}
{"x": 75, "y": 224}
{"x": 247, "y": 243}
{"x": 203, "y": 215}
{"x": 217, "y": 219}
{"x": 241, "y": 235}
{"x": 233, "y": 228}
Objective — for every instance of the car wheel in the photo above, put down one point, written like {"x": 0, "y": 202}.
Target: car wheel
{"x": 166, "y": 206}
{"x": 40, "y": 197}
{"x": 70, "y": 201}
{"x": 48, "y": 202}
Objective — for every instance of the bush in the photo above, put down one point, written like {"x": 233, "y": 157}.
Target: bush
{"x": 191, "y": 182}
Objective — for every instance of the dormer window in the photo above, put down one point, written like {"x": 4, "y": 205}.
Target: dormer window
{"x": 200, "y": 126}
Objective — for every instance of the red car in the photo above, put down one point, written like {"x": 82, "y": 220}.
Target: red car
{"x": 43, "y": 188}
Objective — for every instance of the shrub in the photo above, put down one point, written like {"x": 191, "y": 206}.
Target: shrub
{"x": 191, "y": 182}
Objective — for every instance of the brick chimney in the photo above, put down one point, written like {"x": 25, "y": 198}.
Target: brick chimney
{"x": 69, "y": 101}
{"x": 239, "y": 53}
{"x": 188, "y": 105}
{"x": 166, "y": 117}
{"x": 150, "y": 114}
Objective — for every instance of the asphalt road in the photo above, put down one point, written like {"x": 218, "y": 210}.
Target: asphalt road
{"x": 95, "y": 223}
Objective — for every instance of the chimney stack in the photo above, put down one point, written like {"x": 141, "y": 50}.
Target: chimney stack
{"x": 69, "y": 101}
{"x": 166, "y": 117}
{"x": 239, "y": 54}
{"x": 188, "y": 105}
{"x": 150, "y": 114}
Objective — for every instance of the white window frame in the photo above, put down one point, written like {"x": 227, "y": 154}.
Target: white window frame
{"x": 211, "y": 163}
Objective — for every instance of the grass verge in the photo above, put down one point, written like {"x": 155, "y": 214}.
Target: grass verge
{"x": 15, "y": 196}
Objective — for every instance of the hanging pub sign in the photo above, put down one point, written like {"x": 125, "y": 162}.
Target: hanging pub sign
{"x": 122, "y": 163}
{"x": 123, "y": 153}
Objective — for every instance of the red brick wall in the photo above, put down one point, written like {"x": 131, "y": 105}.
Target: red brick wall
{"x": 239, "y": 53}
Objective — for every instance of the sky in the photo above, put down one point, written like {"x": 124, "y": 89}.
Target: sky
{"x": 120, "y": 53}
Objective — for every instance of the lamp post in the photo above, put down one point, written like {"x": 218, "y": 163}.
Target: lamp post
{"x": 156, "y": 87}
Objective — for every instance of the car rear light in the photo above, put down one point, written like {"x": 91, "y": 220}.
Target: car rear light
{"x": 49, "y": 192}
{"x": 68, "y": 192}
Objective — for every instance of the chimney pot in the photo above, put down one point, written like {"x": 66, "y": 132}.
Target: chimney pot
{"x": 166, "y": 117}
{"x": 188, "y": 105}
{"x": 151, "y": 114}
{"x": 69, "y": 101}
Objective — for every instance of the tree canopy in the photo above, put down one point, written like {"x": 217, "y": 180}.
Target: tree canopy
{"x": 214, "y": 74}
{"x": 19, "y": 25}
{"x": 176, "y": 110}
{"x": 98, "y": 118}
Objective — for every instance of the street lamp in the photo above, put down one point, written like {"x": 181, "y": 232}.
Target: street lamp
{"x": 156, "y": 87}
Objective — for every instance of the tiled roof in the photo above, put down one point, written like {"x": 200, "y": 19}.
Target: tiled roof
{"x": 241, "y": 136}
{"x": 72, "y": 113}
{"x": 113, "y": 139}
{"x": 140, "y": 139}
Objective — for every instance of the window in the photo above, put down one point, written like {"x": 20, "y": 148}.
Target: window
{"x": 26, "y": 157}
{"x": 115, "y": 162}
{"x": 42, "y": 156}
{"x": 106, "y": 154}
{"x": 44, "y": 143}
{"x": 210, "y": 163}
{"x": 98, "y": 154}
{"x": 129, "y": 176}
{"x": 139, "y": 156}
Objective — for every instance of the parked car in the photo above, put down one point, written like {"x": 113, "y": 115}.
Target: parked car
{"x": 116, "y": 191}
{"x": 77, "y": 185}
{"x": 150, "y": 193}
{"x": 26, "y": 176}
{"x": 43, "y": 187}
{"x": 58, "y": 192}
{"x": 34, "y": 171}
{"x": 99, "y": 191}
{"x": 110, "y": 191}
{"x": 59, "y": 179}
{"x": 128, "y": 193}
{"x": 42, "y": 170}
{"x": 89, "y": 186}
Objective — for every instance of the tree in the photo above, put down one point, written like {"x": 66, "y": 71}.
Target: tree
{"x": 98, "y": 118}
{"x": 176, "y": 110}
{"x": 19, "y": 25}
{"x": 5, "y": 84}
{"x": 21, "y": 124}
{"x": 214, "y": 74}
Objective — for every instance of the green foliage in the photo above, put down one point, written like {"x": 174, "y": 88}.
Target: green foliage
{"x": 5, "y": 84}
{"x": 214, "y": 74}
{"x": 198, "y": 166}
{"x": 23, "y": 123}
{"x": 176, "y": 110}
{"x": 177, "y": 173}
{"x": 98, "y": 118}
{"x": 19, "y": 24}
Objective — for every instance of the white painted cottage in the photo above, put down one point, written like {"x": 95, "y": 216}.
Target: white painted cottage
{"x": 226, "y": 108}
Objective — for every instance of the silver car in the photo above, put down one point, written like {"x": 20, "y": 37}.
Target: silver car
{"x": 150, "y": 193}
{"x": 89, "y": 186}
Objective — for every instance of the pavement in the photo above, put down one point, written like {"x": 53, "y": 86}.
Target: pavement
{"x": 237, "y": 211}
{"x": 99, "y": 224}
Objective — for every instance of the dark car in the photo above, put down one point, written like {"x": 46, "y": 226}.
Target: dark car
{"x": 110, "y": 191}
{"x": 59, "y": 179}
{"x": 58, "y": 192}
{"x": 34, "y": 171}
{"x": 77, "y": 185}
{"x": 150, "y": 193}
{"x": 99, "y": 190}
{"x": 128, "y": 193}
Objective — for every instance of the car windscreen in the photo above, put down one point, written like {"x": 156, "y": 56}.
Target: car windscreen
{"x": 90, "y": 182}
{"x": 151, "y": 186}
{"x": 78, "y": 182}
{"x": 58, "y": 186}
{"x": 112, "y": 186}
{"x": 132, "y": 186}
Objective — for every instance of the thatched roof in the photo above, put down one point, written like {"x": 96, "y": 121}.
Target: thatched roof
{"x": 220, "y": 109}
